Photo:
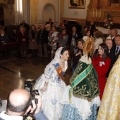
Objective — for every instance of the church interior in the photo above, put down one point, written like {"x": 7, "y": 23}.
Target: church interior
{"x": 14, "y": 69}
{"x": 13, "y": 12}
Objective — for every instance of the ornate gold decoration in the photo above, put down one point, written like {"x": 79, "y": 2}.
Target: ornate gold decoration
{"x": 89, "y": 46}
{"x": 110, "y": 105}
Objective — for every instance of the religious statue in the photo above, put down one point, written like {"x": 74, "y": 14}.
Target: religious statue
{"x": 77, "y": 2}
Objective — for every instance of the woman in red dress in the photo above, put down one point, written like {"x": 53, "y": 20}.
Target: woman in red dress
{"x": 101, "y": 63}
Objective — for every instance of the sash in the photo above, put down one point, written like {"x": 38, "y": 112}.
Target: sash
{"x": 59, "y": 71}
{"x": 80, "y": 77}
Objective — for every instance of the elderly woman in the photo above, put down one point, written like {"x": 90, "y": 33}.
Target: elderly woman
{"x": 63, "y": 39}
{"x": 32, "y": 40}
{"x": 53, "y": 40}
{"x": 73, "y": 37}
{"x": 22, "y": 41}
{"x": 98, "y": 40}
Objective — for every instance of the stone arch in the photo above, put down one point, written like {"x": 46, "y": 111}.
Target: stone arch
{"x": 48, "y": 12}
{"x": 8, "y": 16}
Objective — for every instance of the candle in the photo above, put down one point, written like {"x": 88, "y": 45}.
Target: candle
{"x": 96, "y": 13}
{"x": 93, "y": 12}
{"x": 100, "y": 13}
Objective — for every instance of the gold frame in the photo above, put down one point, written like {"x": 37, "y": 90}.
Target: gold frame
{"x": 77, "y": 4}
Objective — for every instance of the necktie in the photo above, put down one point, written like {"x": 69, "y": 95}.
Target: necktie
{"x": 117, "y": 50}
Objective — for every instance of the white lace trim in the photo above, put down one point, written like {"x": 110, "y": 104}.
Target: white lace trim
{"x": 83, "y": 106}
{"x": 85, "y": 59}
{"x": 51, "y": 97}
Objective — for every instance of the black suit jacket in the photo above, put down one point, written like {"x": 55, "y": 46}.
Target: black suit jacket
{"x": 44, "y": 37}
{"x": 113, "y": 57}
{"x": 116, "y": 55}
{"x": 76, "y": 36}
{"x": 4, "y": 38}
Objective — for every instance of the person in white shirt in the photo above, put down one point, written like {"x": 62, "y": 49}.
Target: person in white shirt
{"x": 20, "y": 103}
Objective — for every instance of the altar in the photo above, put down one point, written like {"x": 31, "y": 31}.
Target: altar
{"x": 100, "y": 10}
{"x": 105, "y": 30}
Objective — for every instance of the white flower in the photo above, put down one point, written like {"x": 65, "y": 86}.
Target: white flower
{"x": 101, "y": 63}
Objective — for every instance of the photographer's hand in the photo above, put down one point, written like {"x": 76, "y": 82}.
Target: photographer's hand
{"x": 39, "y": 104}
{"x": 34, "y": 108}
{"x": 38, "y": 113}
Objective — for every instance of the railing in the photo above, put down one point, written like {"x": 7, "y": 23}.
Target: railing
{"x": 8, "y": 46}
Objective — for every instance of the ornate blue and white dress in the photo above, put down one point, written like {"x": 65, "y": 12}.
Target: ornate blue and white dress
{"x": 51, "y": 98}
{"x": 81, "y": 97}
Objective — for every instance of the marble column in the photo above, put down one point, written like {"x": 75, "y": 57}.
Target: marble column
{"x": 22, "y": 11}
{"x": 26, "y": 11}
{"x": 33, "y": 11}
{"x": 61, "y": 9}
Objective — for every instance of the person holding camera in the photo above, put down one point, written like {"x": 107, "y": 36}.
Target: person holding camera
{"x": 19, "y": 104}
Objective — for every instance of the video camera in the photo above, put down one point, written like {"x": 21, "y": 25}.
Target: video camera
{"x": 28, "y": 85}
{"x": 34, "y": 93}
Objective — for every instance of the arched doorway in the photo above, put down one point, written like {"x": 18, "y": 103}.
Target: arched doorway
{"x": 1, "y": 15}
{"x": 48, "y": 12}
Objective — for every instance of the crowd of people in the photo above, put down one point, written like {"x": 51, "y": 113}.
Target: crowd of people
{"x": 91, "y": 57}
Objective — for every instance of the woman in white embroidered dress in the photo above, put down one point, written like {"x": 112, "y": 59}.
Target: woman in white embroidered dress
{"x": 51, "y": 84}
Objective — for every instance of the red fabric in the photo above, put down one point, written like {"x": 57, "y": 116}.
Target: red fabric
{"x": 22, "y": 36}
{"x": 101, "y": 71}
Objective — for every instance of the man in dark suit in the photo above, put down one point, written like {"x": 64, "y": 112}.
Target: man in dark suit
{"x": 92, "y": 27}
{"x": 114, "y": 50}
{"x": 117, "y": 47}
{"x": 111, "y": 47}
{"x": 113, "y": 34}
{"x": 42, "y": 40}
{"x": 111, "y": 52}
{"x": 50, "y": 22}
{"x": 26, "y": 26}
{"x": 3, "y": 37}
